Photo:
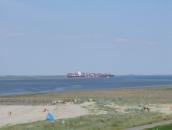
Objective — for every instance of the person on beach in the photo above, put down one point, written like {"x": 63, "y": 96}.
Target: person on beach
{"x": 9, "y": 113}
{"x": 45, "y": 110}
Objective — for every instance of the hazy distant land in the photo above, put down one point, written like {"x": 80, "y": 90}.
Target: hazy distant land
{"x": 25, "y": 77}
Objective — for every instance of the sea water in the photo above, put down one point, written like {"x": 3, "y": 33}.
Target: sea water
{"x": 61, "y": 83}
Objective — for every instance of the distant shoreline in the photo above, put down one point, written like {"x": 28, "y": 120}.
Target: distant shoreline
{"x": 13, "y": 77}
{"x": 12, "y": 85}
{"x": 31, "y": 77}
{"x": 154, "y": 87}
{"x": 89, "y": 104}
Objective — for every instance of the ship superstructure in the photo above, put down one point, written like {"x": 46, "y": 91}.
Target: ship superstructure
{"x": 80, "y": 74}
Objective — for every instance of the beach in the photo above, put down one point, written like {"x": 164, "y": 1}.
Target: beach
{"x": 148, "y": 104}
{"x": 25, "y": 114}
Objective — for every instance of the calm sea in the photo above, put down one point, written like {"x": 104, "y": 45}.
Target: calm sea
{"x": 31, "y": 85}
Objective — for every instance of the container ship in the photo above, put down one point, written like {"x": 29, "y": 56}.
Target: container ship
{"x": 89, "y": 75}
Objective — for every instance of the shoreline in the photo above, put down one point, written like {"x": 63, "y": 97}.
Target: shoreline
{"x": 29, "y": 108}
{"x": 112, "y": 93}
{"x": 88, "y": 90}
{"x": 47, "y": 84}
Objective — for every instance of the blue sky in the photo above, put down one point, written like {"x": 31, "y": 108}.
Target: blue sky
{"x": 50, "y": 37}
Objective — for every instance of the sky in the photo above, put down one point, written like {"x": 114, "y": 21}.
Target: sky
{"x": 53, "y": 37}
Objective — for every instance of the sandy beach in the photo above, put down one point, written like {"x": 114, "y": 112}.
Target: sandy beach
{"x": 116, "y": 105}
{"x": 25, "y": 114}
{"x": 17, "y": 114}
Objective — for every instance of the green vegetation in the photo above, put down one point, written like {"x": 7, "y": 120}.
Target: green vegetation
{"x": 114, "y": 121}
{"x": 163, "y": 127}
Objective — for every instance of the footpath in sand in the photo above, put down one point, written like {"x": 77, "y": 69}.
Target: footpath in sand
{"x": 16, "y": 114}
